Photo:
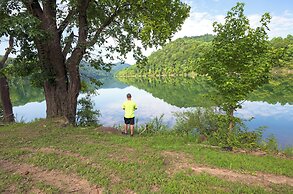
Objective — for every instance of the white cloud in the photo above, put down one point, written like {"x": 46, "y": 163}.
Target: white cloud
{"x": 264, "y": 109}
{"x": 198, "y": 23}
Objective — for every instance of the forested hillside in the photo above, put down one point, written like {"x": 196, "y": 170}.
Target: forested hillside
{"x": 180, "y": 57}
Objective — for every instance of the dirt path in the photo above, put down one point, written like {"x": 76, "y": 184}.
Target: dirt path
{"x": 178, "y": 161}
{"x": 67, "y": 183}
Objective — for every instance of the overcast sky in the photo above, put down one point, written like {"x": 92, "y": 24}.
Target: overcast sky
{"x": 205, "y": 12}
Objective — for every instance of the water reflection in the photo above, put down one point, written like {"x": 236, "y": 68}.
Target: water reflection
{"x": 165, "y": 96}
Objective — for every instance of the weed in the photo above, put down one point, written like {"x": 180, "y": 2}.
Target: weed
{"x": 288, "y": 151}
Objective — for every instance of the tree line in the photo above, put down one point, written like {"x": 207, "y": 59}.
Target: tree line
{"x": 182, "y": 56}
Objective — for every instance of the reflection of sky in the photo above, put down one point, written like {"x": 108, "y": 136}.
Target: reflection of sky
{"x": 110, "y": 100}
{"x": 277, "y": 118}
{"x": 30, "y": 111}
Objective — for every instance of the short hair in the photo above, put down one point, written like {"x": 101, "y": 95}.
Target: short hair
{"x": 128, "y": 95}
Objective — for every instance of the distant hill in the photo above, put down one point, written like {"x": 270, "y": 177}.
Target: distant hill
{"x": 182, "y": 56}
{"x": 95, "y": 78}
{"x": 205, "y": 38}
{"x": 86, "y": 70}
{"x": 175, "y": 58}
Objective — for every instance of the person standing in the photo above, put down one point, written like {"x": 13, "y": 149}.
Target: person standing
{"x": 129, "y": 106}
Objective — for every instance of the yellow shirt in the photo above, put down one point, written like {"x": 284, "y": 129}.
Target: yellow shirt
{"x": 129, "y": 106}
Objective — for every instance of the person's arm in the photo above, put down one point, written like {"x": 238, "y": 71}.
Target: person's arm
{"x": 135, "y": 106}
{"x": 123, "y": 106}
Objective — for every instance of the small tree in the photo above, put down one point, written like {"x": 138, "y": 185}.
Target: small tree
{"x": 237, "y": 62}
{"x": 86, "y": 115}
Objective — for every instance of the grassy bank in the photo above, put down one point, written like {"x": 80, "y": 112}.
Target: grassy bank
{"x": 108, "y": 162}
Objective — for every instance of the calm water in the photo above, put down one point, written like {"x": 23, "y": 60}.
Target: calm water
{"x": 277, "y": 117}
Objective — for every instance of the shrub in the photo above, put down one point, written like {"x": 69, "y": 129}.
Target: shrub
{"x": 215, "y": 127}
{"x": 199, "y": 120}
{"x": 155, "y": 125}
{"x": 86, "y": 115}
{"x": 270, "y": 144}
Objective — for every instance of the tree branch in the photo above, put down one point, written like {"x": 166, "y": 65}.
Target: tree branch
{"x": 49, "y": 8}
{"x": 34, "y": 7}
{"x": 66, "y": 21}
{"x": 68, "y": 45}
{"x": 7, "y": 52}
{"x": 105, "y": 24}
{"x": 82, "y": 33}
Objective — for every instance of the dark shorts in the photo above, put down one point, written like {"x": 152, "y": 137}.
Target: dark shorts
{"x": 129, "y": 121}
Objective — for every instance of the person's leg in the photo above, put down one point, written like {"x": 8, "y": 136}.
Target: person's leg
{"x": 125, "y": 128}
{"x": 131, "y": 129}
{"x": 131, "y": 126}
{"x": 126, "y": 122}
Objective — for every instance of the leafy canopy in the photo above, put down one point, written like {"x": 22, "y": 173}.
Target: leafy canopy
{"x": 110, "y": 29}
{"x": 237, "y": 61}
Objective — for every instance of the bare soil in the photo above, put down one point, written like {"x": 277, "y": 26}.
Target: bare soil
{"x": 177, "y": 161}
{"x": 67, "y": 183}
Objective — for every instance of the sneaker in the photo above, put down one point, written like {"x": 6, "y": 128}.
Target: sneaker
{"x": 131, "y": 135}
{"x": 123, "y": 133}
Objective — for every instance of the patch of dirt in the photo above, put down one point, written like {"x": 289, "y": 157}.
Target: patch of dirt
{"x": 155, "y": 188}
{"x": 128, "y": 191}
{"x": 249, "y": 152}
{"x": 67, "y": 183}
{"x": 178, "y": 161}
{"x": 36, "y": 191}
{"x": 108, "y": 130}
{"x": 114, "y": 179}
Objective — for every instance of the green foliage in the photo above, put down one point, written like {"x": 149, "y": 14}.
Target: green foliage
{"x": 278, "y": 90}
{"x": 86, "y": 115}
{"x": 270, "y": 144}
{"x": 237, "y": 62}
{"x": 156, "y": 125}
{"x": 176, "y": 58}
{"x": 151, "y": 23}
{"x": 288, "y": 151}
{"x": 214, "y": 127}
{"x": 282, "y": 52}
{"x": 201, "y": 121}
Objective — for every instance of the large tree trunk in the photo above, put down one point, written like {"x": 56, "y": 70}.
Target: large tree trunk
{"x": 5, "y": 99}
{"x": 62, "y": 89}
{"x": 4, "y": 87}
{"x": 62, "y": 82}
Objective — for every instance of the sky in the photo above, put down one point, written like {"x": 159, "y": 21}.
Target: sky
{"x": 204, "y": 12}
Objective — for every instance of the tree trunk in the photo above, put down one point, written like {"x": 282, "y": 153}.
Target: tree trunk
{"x": 4, "y": 87}
{"x": 62, "y": 82}
{"x": 5, "y": 99}
{"x": 61, "y": 91}
{"x": 231, "y": 119}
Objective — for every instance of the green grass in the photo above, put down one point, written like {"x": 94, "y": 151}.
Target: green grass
{"x": 16, "y": 183}
{"x": 120, "y": 163}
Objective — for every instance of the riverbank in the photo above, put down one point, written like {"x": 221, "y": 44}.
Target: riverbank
{"x": 45, "y": 157}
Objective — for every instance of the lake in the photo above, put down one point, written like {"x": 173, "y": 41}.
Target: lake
{"x": 166, "y": 96}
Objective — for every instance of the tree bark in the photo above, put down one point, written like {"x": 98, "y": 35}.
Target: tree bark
{"x": 231, "y": 119}
{"x": 4, "y": 87}
{"x": 62, "y": 84}
{"x": 5, "y": 99}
